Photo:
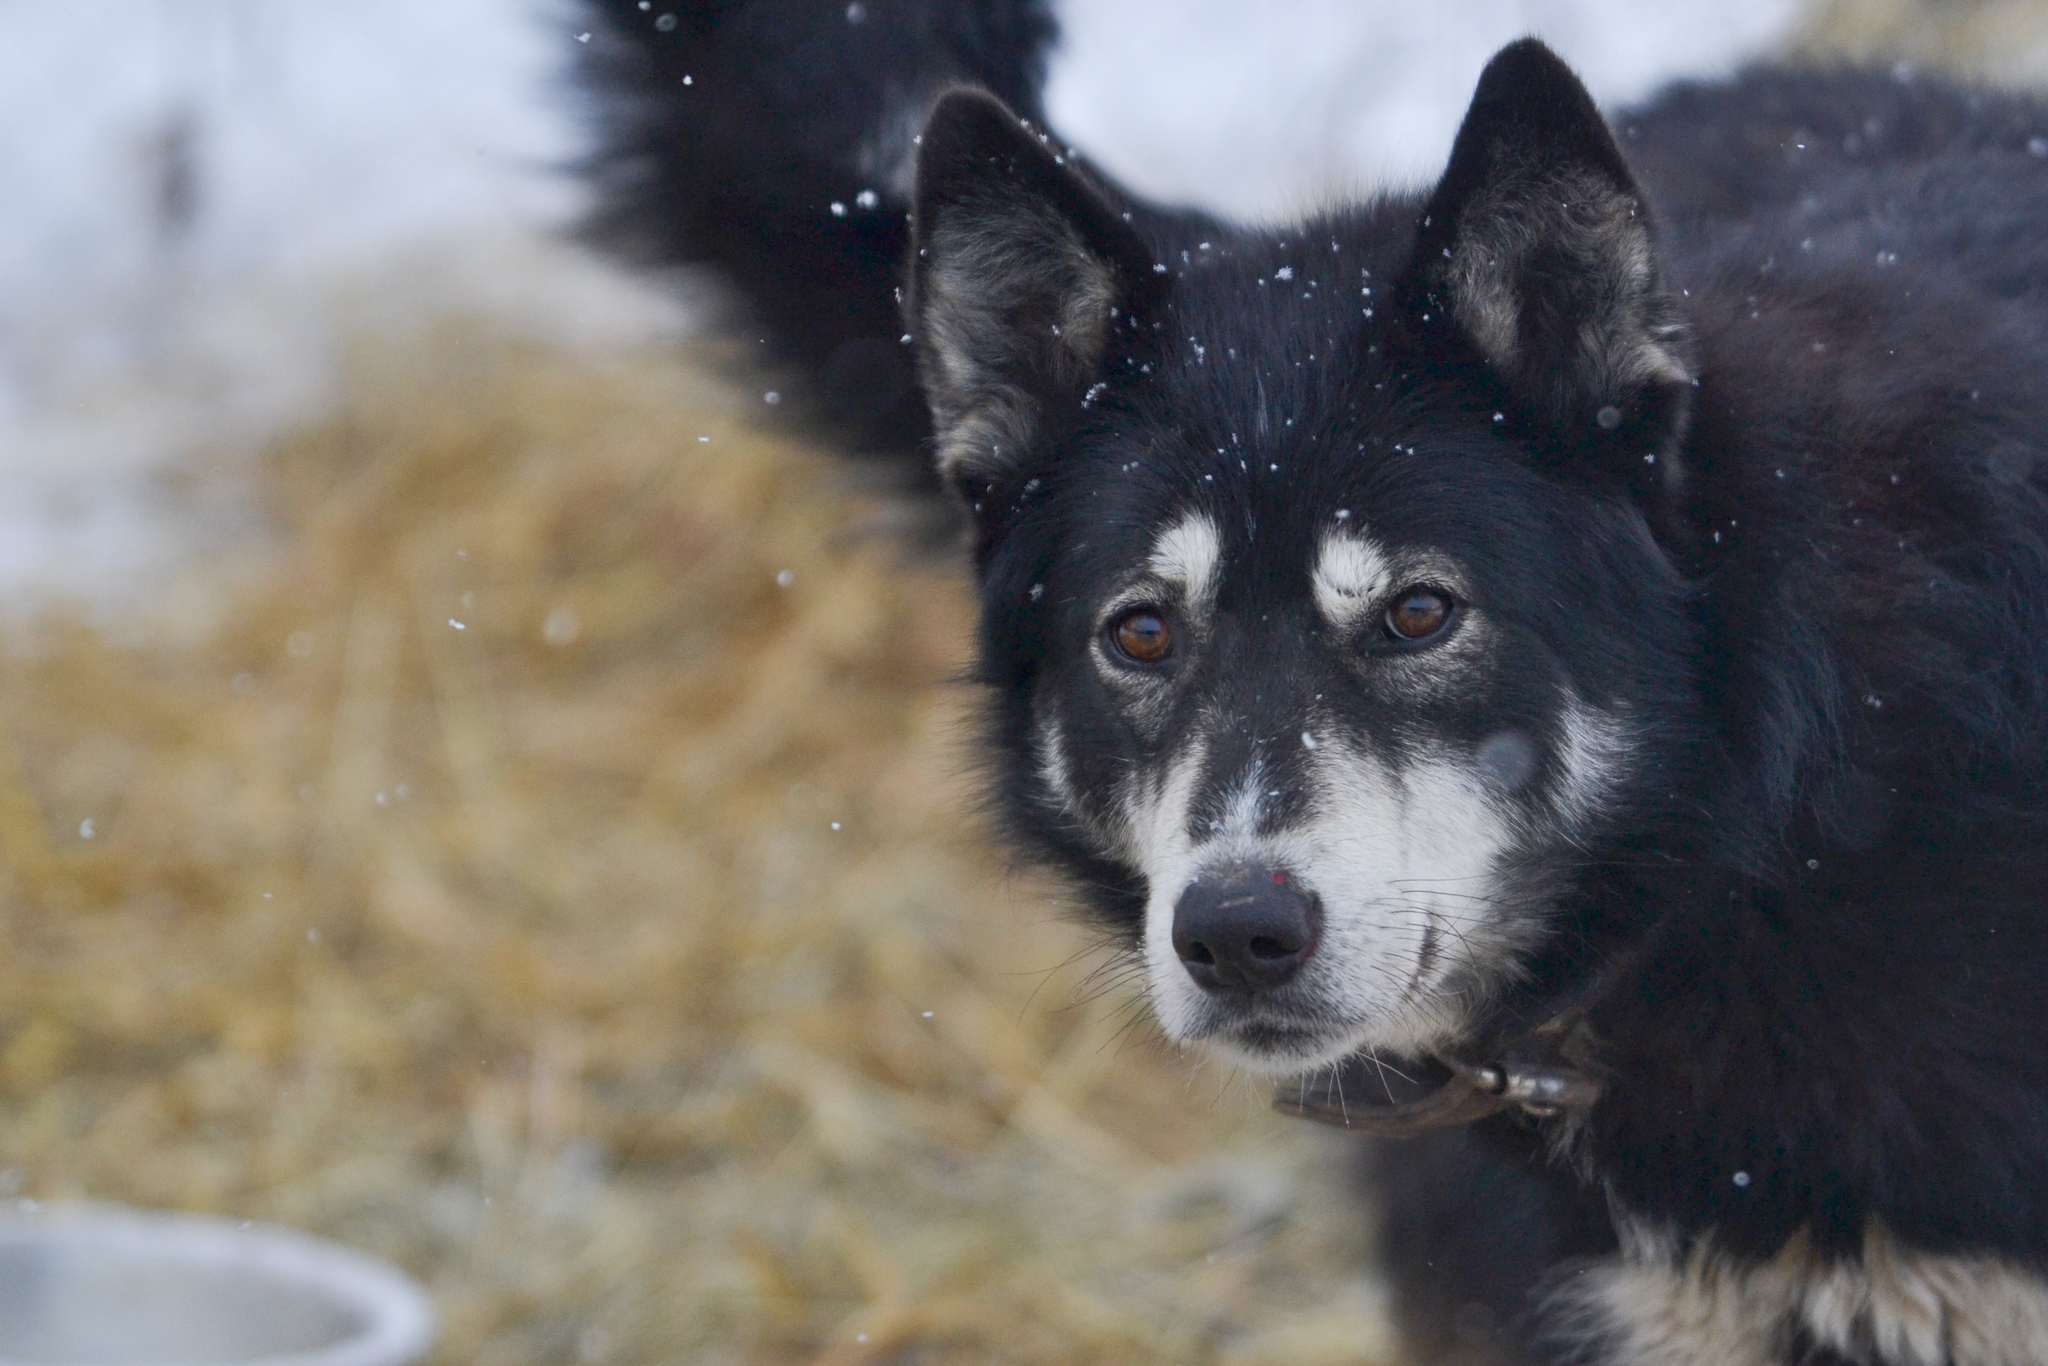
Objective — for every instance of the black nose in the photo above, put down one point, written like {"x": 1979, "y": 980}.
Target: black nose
{"x": 1245, "y": 929}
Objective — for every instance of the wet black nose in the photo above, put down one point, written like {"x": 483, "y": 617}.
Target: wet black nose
{"x": 1245, "y": 930}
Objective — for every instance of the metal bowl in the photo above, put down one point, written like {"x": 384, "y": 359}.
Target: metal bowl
{"x": 93, "y": 1285}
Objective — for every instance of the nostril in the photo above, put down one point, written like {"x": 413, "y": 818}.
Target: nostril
{"x": 1265, "y": 946}
{"x": 1194, "y": 951}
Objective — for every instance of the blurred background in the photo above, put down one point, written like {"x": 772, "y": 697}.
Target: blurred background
{"x": 474, "y": 786}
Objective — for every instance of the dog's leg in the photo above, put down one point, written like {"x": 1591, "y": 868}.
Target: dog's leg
{"x": 1470, "y": 1223}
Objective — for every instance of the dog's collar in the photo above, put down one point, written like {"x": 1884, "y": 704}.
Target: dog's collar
{"x": 1472, "y": 1092}
{"x": 1539, "y": 1073}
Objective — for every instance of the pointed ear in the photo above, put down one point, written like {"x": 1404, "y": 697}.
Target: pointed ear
{"x": 1021, "y": 271}
{"x": 1539, "y": 248}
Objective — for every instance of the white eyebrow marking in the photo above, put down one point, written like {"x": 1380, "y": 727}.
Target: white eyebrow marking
{"x": 1351, "y": 574}
{"x": 1189, "y": 553}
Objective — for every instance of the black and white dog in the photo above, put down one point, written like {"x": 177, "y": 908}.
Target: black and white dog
{"x": 1576, "y": 639}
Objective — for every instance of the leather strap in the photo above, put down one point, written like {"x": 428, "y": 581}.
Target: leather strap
{"x": 1534, "y": 1073}
{"x": 1471, "y": 1093}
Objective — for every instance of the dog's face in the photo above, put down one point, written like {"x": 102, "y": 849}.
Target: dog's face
{"x": 1323, "y": 591}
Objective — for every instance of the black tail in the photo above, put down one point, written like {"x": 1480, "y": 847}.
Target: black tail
{"x": 774, "y": 140}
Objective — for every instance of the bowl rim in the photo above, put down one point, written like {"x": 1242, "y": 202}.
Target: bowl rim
{"x": 398, "y": 1317}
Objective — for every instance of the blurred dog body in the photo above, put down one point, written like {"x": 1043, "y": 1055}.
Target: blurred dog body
{"x": 1591, "y": 615}
{"x": 775, "y": 139}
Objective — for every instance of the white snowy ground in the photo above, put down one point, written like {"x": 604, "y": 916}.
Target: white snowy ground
{"x": 202, "y": 198}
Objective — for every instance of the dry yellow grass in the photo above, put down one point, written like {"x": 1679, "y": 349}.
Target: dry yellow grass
{"x": 2002, "y": 41}
{"x": 625, "y": 962}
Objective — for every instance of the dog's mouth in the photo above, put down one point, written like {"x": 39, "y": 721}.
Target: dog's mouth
{"x": 1274, "y": 1042}
{"x": 1278, "y": 1039}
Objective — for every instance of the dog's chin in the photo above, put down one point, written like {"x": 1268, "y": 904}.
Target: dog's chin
{"x": 1279, "y": 1050}
{"x": 1270, "y": 1044}
{"x": 1287, "y": 1037}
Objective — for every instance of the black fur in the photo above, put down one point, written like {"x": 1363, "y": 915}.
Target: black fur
{"x": 1781, "y": 497}
{"x": 1471, "y": 1222}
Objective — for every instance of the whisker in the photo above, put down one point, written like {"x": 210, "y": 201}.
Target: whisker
{"x": 1386, "y": 1067}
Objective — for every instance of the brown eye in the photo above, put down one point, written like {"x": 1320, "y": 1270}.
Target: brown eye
{"x": 1142, "y": 636}
{"x": 1418, "y": 614}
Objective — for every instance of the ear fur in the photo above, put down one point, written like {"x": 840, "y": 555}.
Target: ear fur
{"x": 1538, "y": 246}
{"x": 1019, "y": 270}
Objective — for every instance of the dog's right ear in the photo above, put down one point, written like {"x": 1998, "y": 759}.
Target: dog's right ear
{"x": 1020, "y": 274}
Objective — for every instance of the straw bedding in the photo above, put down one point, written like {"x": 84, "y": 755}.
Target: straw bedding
{"x": 626, "y": 961}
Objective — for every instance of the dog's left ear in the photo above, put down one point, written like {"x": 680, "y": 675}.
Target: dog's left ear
{"x": 1020, "y": 274}
{"x": 1537, "y": 248}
